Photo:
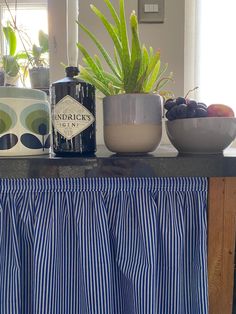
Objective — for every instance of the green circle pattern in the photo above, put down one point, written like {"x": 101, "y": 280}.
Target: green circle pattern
{"x": 8, "y": 118}
{"x": 34, "y": 117}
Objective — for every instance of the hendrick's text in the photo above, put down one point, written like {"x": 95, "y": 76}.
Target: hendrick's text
{"x": 73, "y": 116}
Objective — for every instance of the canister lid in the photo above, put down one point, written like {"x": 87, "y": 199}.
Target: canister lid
{"x": 18, "y": 92}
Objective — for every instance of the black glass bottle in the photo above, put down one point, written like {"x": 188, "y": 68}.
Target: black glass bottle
{"x": 73, "y": 115}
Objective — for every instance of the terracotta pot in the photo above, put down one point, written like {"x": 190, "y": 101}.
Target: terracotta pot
{"x": 132, "y": 122}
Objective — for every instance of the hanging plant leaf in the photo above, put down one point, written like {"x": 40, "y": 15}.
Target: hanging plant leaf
{"x": 10, "y": 36}
{"x": 10, "y": 65}
{"x": 31, "y": 141}
{"x": 36, "y": 51}
{"x": 8, "y": 141}
{"x": 43, "y": 41}
{"x": 48, "y": 142}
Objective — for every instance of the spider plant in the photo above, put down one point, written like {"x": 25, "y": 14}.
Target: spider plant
{"x": 133, "y": 68}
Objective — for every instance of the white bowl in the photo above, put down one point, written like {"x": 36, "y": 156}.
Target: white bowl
{"x": 201, "y": 135}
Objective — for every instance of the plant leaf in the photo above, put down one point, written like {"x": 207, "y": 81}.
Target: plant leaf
{"x": 36, "y": 51}
{"x": 22, "y": 55}
{"x": 162, "y": 72}
{"x": 8, "y": 141}
{"x": 98, "y": 62}
{"x": 145, "y": 61}
{"x": 136, "y": 53}
{"x": 10, "y": 65}
{"x": 86, "y": 76}
{"x": 152, "y": 78}
{"x": 118, "y": 64}
{"x": 113, "y": 13}
{"x": 102, "y": 50}
{"x": 111, "y": 78}
{"x": 109, "y": 29}
{"x": 136, "y": 48}
{"x": 111, "y": 89}
{"x": 108, "y": 78}
{"x": 136, "y": 56}
{"x": 125, "y": 54}
{"x": 31, "y": 141}
{"x": 152, "y": 62}
{"x": 89, "y": 61}
{"x": 161, "y": 83}
{"x": 166, "y": 94}
{"x": 43, "y": 41}
{"x": 133, "y": 77}
{"x": 151, "y": 52}
{"x": 140, "y": 83}
{"x": 10, "y": 36}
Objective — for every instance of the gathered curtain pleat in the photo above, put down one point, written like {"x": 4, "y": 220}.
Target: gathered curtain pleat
{"x": 103, "y": 246}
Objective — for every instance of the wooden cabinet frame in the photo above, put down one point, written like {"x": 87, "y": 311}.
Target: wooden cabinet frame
{"x": 221, "y": 244}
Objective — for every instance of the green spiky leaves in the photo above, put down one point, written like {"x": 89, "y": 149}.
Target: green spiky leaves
{"x": 133, "y": 68}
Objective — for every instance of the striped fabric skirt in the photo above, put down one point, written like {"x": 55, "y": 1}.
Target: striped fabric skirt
{"x": 103, "y": 246}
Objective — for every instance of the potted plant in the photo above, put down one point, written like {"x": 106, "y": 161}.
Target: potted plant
{"x": 10, "y": 64}
{"x": 132, "y": 106}
{"x": 38, "y": 63}
{"x": 34, "y": 61}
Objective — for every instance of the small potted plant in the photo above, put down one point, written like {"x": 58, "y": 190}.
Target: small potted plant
{"x": 132, "y": 106}
{"x": 38, "y": 63}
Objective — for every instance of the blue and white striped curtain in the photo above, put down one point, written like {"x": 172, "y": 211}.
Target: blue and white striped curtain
{"x": 103, "y": 246}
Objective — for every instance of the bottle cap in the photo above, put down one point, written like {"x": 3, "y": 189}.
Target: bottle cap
{"x": 72, "y": 71}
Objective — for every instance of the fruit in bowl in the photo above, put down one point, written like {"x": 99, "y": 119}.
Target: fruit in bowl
{"x": 217, "y": 110}
{"x": 194, "y": 128}
{"x": 183, "y": 108}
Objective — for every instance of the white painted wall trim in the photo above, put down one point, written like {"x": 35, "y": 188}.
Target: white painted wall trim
{"x": 57, "y": 38}
{"x": 190, "y": 46}
{"x": 57, "y": 24}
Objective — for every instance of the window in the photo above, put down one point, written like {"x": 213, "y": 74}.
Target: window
{"x": 217, "y": 62}
{"x": 30, "y": 18}
{"x": 57, "y": 29}
{"x": 210, "y": 50}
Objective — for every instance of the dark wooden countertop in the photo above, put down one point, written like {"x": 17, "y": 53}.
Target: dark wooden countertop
{"x": 164, "y": 162}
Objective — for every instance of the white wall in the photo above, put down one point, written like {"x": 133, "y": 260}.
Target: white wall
{"x": 169, "y": 37}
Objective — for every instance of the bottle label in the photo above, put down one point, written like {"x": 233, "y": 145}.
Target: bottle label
{"x": 70, "y": 117}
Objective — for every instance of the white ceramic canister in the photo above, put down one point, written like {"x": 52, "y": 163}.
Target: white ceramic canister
{"x": 24, "y": 122}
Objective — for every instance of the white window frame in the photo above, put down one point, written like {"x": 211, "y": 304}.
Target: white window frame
{"x": 58, "y": 41}
{"x": 190, "y": 46}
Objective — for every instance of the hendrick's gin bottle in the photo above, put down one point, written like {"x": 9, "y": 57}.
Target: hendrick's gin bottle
{"x": 73, "y": 115}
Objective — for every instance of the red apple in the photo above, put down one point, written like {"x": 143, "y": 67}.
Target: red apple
{"x": 219, "y": 110}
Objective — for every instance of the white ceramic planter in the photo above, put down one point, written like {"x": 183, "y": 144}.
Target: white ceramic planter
{"x": 39, "y": 77}
{"x": 24, "y": 122}
{"x": 132, "y": 122}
